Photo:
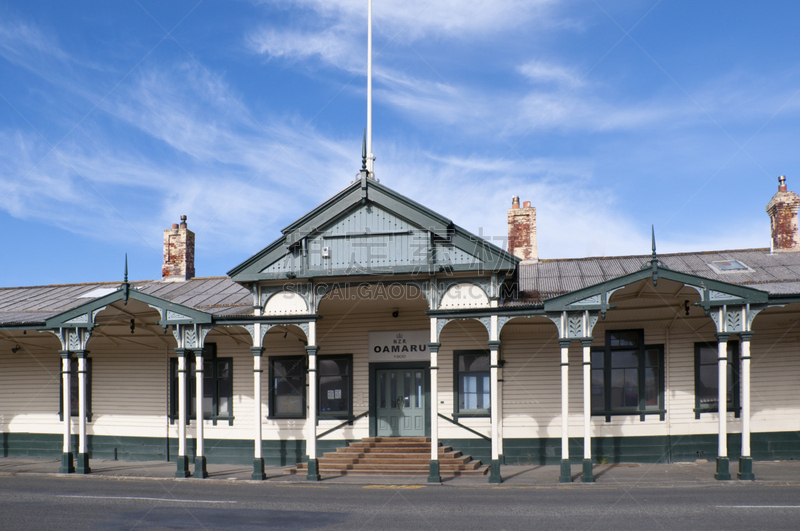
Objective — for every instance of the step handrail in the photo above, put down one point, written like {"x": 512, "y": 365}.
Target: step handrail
{"x": 479, "y": 434}
{"x": 348, "y": 422}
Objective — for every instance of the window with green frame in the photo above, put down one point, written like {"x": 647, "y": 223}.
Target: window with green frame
{"x": 217, "y": 387}
{"x": 73, "y": 390}
{"x": 287, "y": 387}
{"x": 472, "y": 387}
{"x": 335, "y": 386}
{"x": 627, "y": 376}
{"x": 706, "y": 378}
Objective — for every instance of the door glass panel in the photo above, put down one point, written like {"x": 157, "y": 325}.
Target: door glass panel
{"x": 418, "y": 392}
{"x": 382, "y": 390}
{"x": 407, "y": 389}
{"x": 393, "y": 389}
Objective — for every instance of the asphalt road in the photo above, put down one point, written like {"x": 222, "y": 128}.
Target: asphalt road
{"x": 52, "y": 502}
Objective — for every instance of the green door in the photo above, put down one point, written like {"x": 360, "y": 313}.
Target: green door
{"x": 401, "y": 402}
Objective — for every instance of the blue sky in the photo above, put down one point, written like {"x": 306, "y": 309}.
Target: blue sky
{"x": 609, "y": 116}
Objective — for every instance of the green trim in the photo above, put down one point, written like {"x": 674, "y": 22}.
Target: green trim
{"x": 734, "y": 363}
{"x": 485, "y": 412}
{"x": 67, "y": 465}
{"x": 528, "y": 451}
{"x": 200, "y": 470}
{"x": 433, "y": 472}
{"x": 340, "y": 415}
{"x": 373, "y": 394}
{"x": 182, "y": 468}
{"x": 723, "y": 469}
{"x": 746, "y": 469}
{"x": 494, "y": 474}
{"x": 209, "y": 356}
{"x": 258, "y": 470}
{"x": 82, "y": 466}
{"x": 271, "y": 387}
{"x": 569, "y": 301}
{"x": 566, "y": 472}
{"x": 61, "y": 320}
{"x": 488, "y": 257}
{"x": 588, "y": 475}
{"x": 73, "y": 377}
{"x": 313, "y": 470}
{"x": 607, "y": 351}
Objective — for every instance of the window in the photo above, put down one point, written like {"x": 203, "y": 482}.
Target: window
{"x": 706, "y": 378}
{"x": 287, "y": 387}
{"x": 627, "y": 376}
{"x": 217, "y": 387}
{"x": 335, "y": 386}
{"x": 73, "y": 390}
{"x": 473, "y": 390}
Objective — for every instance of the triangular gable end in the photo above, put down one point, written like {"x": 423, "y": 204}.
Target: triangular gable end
{"x": 713, "y": 292}
{"x": 171, "y": 313}
{"x": 371, "y": 231}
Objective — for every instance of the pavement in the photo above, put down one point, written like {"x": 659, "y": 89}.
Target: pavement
{"x": 699, "y": 473}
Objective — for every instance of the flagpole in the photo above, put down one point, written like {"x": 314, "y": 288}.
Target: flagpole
{"x": 370, "y": 156}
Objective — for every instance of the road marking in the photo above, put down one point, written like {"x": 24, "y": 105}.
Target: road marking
{"x": 759, "y": 506}
{"x": 393, "y": 486}
{"x": 143, "y": 498}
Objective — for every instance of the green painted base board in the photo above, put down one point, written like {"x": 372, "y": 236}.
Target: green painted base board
{"x": 545, "y": 451}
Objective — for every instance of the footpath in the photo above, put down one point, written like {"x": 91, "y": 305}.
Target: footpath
{"x": 700, "y": 473}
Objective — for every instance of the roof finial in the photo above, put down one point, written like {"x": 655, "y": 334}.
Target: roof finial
{"x": 653, "y": 230}
{"x": 125, "y": 286}
{"x": 364, "y": 152}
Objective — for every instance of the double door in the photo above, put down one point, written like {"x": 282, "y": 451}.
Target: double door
{"x": 401, "y": 397}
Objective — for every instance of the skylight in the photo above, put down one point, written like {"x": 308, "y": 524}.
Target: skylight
{"x": 729, "y": 266}
{"x": 99, "y": 292}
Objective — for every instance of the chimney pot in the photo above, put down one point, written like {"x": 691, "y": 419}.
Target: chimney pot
{"x": 522, "y": 231}
{"x": 178, "y": 252}
{"x": 782, "y": 210}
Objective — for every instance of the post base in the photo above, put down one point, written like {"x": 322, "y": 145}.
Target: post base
{"x": 746, "y": 469}
{"x": 200, "y": 467}
{"x": 258, "y": 469}
{"x": 566, "y": 472}
{"x": 182, "y": 470}
{"x": 67, "y": 464}
{"x": 82, "y": 466}
{"x": 433, "y": 475}
{"x": 588, "y": 475}
{"x": 494, "y": 474}
{"x": 723, "y": 469}
{"x": 313, "y": 470}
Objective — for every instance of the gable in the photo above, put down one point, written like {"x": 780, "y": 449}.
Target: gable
{"x": 370, "y": 229}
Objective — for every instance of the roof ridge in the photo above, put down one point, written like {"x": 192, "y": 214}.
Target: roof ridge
{"x": 647, "y": 256}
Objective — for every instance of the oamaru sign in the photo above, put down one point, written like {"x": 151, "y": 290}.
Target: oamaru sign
{"x": 400, "y": 346}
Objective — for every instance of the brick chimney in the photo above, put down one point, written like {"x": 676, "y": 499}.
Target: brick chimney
{"x": 782, "y": 210}
{"x": 178, "y": 252}
{"x": 522, "y": 230}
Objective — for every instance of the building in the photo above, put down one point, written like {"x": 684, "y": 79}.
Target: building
{"x": 373, "y": 316}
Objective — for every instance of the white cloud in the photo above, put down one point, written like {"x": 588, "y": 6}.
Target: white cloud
{"x": 543, "y": 72}
{"x": 418, "y": 18}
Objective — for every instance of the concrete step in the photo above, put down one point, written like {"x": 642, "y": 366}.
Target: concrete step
{"x": 481, "y": 471}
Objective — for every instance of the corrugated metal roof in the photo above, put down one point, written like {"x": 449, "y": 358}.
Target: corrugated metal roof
{"x": 777, "y": 273}
{"x": 219, "y": 296}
